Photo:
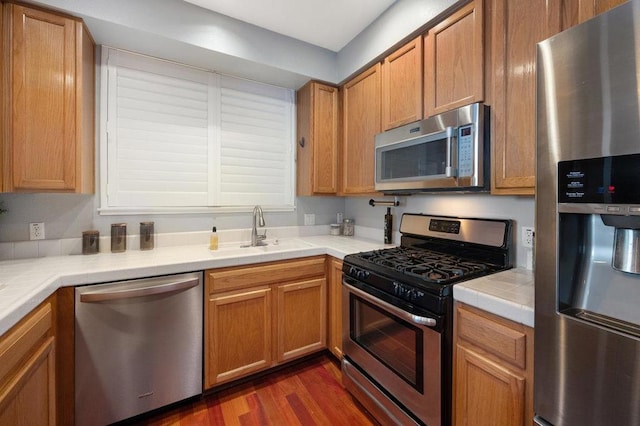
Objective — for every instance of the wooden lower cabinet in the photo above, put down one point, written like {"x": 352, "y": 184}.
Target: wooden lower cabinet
{"x": 258, "y": 316}
{"x": 239, "y": 329}
{"x": 301, "y": 318}
{"x": 493, "y": 370}
{"x": 27, "y": 370}
{"x": 334, "y": 309}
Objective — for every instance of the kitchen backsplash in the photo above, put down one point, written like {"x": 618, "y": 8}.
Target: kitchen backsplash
{"x": 66, "y": 216}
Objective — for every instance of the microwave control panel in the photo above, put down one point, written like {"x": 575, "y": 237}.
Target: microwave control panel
{"x": 465, "y": 150}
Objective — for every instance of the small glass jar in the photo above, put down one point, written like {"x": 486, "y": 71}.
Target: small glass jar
{"x": 348, "y": 226}
{"x": 334, "y": 229}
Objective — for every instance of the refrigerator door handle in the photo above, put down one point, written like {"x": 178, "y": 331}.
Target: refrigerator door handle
{"x": 537, "y": 420}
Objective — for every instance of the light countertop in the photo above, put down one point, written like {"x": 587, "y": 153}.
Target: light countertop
{"x": 509, "y": 294}
{"x": 25, "y": 283}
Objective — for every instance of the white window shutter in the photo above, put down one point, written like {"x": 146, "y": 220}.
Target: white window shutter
{"x": 256, "y": 143}
{"x": 159, "y": 138}
{"x": 181, "y": 139}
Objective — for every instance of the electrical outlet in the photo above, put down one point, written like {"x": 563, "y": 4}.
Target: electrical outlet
{"x": 528, "y": 236}
{"x": 310, "y": 219}
{"x": 36, "y": 231}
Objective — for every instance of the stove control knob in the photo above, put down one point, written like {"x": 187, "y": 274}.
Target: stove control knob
{"x": 360, "y": 275}
{"x": 352, "y": 271}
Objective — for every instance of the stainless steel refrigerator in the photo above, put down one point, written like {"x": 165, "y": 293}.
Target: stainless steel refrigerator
{"x": 587, "y": 269}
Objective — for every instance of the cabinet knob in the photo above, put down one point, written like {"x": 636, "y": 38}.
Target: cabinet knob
{"x": 301, "y": 142}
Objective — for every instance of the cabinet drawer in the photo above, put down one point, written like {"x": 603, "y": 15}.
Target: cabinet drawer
{"x": 224, "y": 279}
{"x": 19, "y": 342}
{"x": 493, "y": 335}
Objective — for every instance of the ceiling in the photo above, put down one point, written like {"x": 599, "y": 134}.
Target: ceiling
{"x": 330, "y": 24}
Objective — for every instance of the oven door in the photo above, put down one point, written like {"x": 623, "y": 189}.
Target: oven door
{"x": 392, "y": 355}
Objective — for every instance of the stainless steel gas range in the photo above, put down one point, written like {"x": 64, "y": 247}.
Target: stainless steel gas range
{"x": 398, "y": 313}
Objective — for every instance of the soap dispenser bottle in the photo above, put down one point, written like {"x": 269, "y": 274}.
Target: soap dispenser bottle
{"x": 213, "y": 239}
{"x": 388, "y": 227}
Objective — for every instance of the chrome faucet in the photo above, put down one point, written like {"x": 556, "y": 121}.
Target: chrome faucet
{"x": 258, "y": 220}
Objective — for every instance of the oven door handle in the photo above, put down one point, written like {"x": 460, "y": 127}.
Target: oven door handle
{"x": 416, "y": 319}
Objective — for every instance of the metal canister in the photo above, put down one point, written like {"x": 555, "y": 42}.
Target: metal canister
{"x": 146, "y": 235}
{"x": 348, "y": 227}
{"x": 90, "y": 242}
{"x": 118, "y": 237}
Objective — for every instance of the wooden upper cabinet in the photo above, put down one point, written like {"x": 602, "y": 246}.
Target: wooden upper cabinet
{"x": 317, "y": 122}
{"x": 361, "y": 122}
{"x": 591, "y": 8}
{"x": 574, "y": 12}
{"x": 454, "y": 61}
{"x": 49, "y": 91}
{"x": 517, "y": 25}
{"x": 402, "y": 85}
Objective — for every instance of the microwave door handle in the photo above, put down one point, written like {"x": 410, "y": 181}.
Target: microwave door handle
{"x": 449, "y": 170}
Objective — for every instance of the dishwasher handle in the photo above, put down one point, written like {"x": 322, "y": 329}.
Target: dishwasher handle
{"x": 130, "y": 293}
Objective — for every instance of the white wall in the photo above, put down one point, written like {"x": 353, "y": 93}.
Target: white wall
{"x": 183, "y": 32}
{"x": 401, "y": 19}
{"x": 520, "y": 209}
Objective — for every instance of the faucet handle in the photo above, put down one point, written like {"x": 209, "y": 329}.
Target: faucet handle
{"x": 261, "y": 237}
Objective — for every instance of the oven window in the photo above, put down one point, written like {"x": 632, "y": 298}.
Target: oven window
{"x": 391, "y": 340}
{"x": 418, "y": 160}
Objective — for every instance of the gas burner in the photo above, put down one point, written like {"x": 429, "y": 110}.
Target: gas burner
{"x": 426, "y": 265}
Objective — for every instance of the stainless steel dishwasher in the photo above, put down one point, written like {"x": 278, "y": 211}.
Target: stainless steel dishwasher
{"x": 138, "y": 346}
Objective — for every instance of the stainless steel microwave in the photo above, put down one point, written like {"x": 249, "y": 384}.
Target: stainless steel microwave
{"x": 445, "y": 152}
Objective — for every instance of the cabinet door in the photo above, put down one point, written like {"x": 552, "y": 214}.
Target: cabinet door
{"x": 487, "y": 393}
{"x": 49, "y": 142}
{"x": 361, "y": 109}
{"x": 517, "y": 26}
{"x": 317, "y": 122}
{"x": 334, "y": 310}
{"x": 237, "y": 335}
{"x": 27, "y": 371}
{"x": 301, "y": 318}
{"x": 574, "y": 12}
{"x": 402, "y": 85}
{"x": 590, "y": 8}
{"x": 454, "y": 61}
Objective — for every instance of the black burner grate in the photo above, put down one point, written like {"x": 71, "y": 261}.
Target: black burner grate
{"x": 424, "y": 264}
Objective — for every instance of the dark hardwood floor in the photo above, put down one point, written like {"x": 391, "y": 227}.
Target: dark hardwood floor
{"x": 306, "y": 393}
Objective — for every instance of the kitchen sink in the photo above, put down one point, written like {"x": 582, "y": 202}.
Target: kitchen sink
{"x": 278, "y": 245}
